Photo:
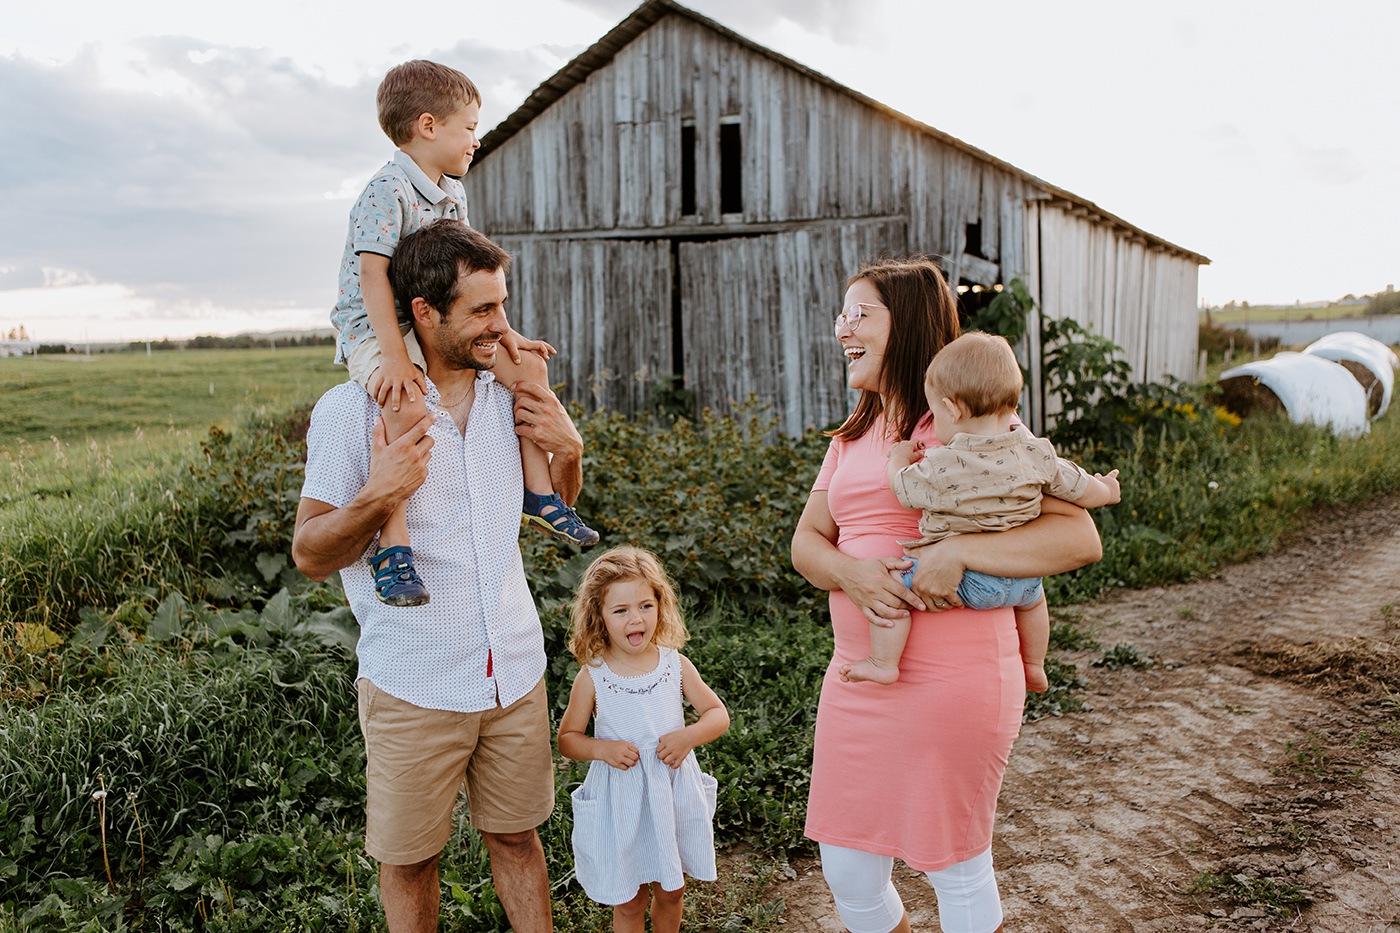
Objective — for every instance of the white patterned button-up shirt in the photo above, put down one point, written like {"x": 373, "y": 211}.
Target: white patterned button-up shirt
{"x": 398, "y": 200}
{"x": 464, "y": 522}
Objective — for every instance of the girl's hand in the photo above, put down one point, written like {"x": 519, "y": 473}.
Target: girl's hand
{"x": 672, "y": 748}
{"x": 874, "y": 586}
{"x": 395, "y": 381}
{"x": 516, "y": 344}
{"x": 621, "y": 755}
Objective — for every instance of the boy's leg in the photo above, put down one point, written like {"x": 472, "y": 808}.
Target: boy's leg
{"x": 542, "y": 507}
{"x": 396, "y": 580}
{"x": 886, "y": 647}
{"x": 1033, "y": 629}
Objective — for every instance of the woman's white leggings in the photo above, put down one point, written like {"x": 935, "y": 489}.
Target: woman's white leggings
{"x": 968, "y": 901}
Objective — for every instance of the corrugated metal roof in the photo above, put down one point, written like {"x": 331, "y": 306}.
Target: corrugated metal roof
{"x": 651, "y": 12}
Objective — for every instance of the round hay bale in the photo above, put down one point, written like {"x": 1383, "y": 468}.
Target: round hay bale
{"x": 1245, "y": 395}
{"x": 1375, "y": 391}
{"x": 1312, "y": 389}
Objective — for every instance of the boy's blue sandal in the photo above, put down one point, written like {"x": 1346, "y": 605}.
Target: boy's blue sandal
{"x": 397, "y": 583}
{"x": 562, "y": 523}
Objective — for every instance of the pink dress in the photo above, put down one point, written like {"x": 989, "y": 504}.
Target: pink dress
{"x": 910, "y": 769}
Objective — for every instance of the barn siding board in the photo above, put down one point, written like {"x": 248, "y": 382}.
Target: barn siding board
{"x": 585, "y": 192}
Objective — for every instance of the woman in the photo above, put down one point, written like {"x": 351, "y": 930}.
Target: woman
{"x": 912, "y": 769}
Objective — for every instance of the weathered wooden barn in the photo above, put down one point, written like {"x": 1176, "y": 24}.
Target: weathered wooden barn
{"x": 683, "y": 201}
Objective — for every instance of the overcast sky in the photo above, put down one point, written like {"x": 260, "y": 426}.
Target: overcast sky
{"x": 177, "y": 168}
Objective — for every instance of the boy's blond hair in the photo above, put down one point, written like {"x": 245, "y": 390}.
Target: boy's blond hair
{"x": 588, "y": 635}
{"x": 414, "y": 88}
{"x": 978, "y": 371}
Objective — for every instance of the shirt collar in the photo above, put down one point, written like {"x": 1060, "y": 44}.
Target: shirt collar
{"x": 419, "y": 178}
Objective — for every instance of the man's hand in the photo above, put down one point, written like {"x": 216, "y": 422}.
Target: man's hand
{"x": 397, "y": 470}
{"x": 621, "y": 755}
{"x": 541, "y": 417}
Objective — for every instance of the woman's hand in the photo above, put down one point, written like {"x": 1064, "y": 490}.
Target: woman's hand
{"x": 940, "y": 570}
{"x": 874, "y": 586}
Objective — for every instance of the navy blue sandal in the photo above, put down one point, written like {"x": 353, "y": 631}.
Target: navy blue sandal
{"x": 397, "y": 583}
{"x": 562, "y": 524}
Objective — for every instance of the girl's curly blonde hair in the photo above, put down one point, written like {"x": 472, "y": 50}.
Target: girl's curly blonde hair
{"x": 588, "y": 635}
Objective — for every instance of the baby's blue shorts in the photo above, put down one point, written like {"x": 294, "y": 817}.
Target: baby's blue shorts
{"x": 984, "y": 591}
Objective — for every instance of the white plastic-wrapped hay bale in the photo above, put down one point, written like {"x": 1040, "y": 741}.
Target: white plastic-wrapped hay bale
{"x": 1366, "y": 358}
{"x": 1310, "y": 388}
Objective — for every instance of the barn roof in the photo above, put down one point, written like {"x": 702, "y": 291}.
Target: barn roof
{"x": 600, "y": 53}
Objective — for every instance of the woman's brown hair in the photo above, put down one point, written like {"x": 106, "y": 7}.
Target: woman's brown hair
{"x": 923, "y": 319}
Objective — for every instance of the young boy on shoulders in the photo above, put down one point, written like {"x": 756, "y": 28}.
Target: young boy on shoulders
{"x": 430, "y": 111}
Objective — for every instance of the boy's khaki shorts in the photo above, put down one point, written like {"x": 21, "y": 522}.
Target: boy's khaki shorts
{"x": 368, "y": 356}
{"x": 418, "y": 758}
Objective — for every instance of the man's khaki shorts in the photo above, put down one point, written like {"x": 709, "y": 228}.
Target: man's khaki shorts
{"x": 369, "y": 356}
{"x": 418, "y": 758}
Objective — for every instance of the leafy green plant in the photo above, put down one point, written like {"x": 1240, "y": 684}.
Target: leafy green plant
{"x": 1121, "y": 656}
{"x": 1249, "y": 889}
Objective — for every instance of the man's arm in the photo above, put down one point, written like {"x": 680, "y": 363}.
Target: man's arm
{"x": 327, "y": 538}
{"x": 542, "y": 418}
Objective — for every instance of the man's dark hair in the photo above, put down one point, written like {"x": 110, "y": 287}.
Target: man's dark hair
{"x": 428, "y": 261}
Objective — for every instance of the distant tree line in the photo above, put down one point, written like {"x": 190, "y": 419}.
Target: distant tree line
{"x": 238, "y": 342}
{"x": 1383, "y": 303}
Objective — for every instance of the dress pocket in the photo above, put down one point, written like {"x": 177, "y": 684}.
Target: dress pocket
{"x": 710, "y": 788}
{"x": 587, "y": 838}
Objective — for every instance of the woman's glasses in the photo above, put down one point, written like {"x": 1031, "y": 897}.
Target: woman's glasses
{"x": 852, "y": 316}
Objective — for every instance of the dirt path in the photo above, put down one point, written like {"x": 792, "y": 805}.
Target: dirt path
{"x": 1263, "y": 742}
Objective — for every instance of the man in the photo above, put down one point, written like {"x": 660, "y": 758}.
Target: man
{"x": 453, "y": 689}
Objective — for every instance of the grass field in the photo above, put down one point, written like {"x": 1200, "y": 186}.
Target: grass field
{"x": 1333, "y": 312}
{"x": 75, "y": 424}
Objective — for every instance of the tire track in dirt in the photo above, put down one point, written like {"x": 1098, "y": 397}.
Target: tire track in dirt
{"x": 1263, "y": 743}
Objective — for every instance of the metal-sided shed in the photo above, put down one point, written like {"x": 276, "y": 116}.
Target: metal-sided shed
{"x": 683, "y": 201}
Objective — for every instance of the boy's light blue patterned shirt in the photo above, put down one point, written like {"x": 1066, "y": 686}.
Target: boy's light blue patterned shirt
{"x": 398, "y": 200}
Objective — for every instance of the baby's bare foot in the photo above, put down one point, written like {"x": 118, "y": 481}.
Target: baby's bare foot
{"x": 1036, "y": 681}
{"x": 869, "y": 670}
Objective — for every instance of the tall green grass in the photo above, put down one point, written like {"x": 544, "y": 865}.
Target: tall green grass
{"x": 157, "y": 638}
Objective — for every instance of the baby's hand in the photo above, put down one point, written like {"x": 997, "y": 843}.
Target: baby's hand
{"x": 906, "y": 453}
{"x": 1110, "y": 480}
{"x": 395, "y": 381}
{"x": 672, "y": 748}
{"x": 516, "y": 344}
{"x": 621, "y": 755}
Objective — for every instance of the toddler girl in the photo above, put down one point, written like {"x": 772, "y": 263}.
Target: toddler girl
{"x": 643, "y": 816}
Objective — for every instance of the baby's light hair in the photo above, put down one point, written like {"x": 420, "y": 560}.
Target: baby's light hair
{"x": 414, "y": 88}
{"x": 588, "y": 633}
{"x": 979, "y": 371}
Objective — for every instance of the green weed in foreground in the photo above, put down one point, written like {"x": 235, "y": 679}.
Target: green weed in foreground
{"x": 1247, "y": 889}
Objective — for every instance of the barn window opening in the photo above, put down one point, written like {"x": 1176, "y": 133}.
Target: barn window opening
{"x": 688, "y": 207}
{"x": 972, "y": 239}
{"x": 731, "y": 168}
{"x": 973, "y": 297}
